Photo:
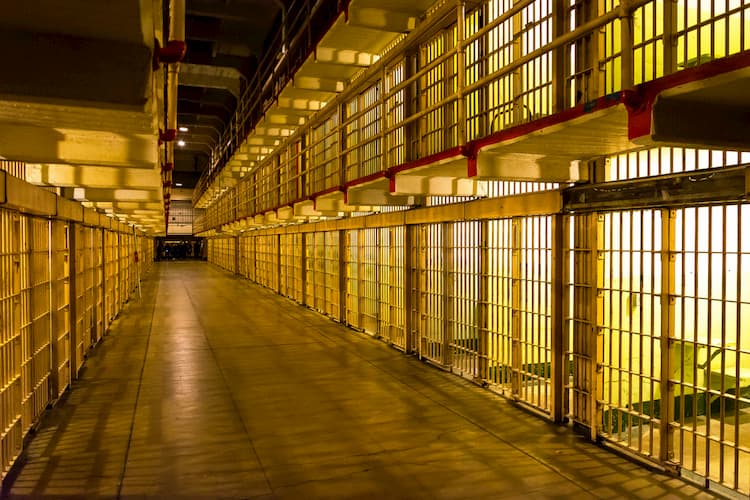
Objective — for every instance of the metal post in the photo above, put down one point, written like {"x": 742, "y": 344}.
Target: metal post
{"x": 343, "y": 248}
{"x": 236, "y": 264}
{"x": 667, "y": 299}
{"x": 596, "y": 339}
{"x": 483, "y": 314}
{"x": 516, "y": 271}
{"x": 669, "y": 37}
{"x": 461, "y": 72}
{"x": 73, "y": 269}
{"x": 559, "y": 361}
{"x": 626, "y": 45}
{"x": 409, "y": 281}
{"x": 518, "y": 86}
{"x": 560, "y": 63}
{"x": 448, "y": 278}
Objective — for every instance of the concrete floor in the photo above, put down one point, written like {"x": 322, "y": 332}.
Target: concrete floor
{"x": 210, "y": 387}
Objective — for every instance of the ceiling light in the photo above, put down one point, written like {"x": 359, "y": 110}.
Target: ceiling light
{"x": 183, "y": 129}
{"x": 179, "y": 184}
{"x": 180, "y": 143}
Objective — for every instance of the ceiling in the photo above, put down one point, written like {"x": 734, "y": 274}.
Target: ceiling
{"x": 225, "y": 40}
{"x": 80, "y": 101}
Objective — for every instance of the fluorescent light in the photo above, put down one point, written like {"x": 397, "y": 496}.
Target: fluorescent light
{"x": 180, "y": 143}
{"x": 183, "y": 129}
{"x": 179, "y": 184}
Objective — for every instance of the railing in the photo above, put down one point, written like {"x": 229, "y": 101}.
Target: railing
{"x": 508, "y": 65}
{"x": 309, "y": 22}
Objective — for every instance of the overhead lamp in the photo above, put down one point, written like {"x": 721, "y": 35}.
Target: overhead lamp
{"x": 183, "y": 129}
{"x": 180, "y": 143}
{"x": 179, "y": 184}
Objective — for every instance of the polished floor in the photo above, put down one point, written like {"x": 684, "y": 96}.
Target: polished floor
{"x": 210, "y": 387}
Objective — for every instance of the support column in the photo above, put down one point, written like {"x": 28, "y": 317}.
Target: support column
{"x": 360, "y": 274}
{"x": 343, "y": 249}
{"x": 482, "y": 374}
{"x": 516, "y": 74}
{"x": 236, "y": 243}
{"x": 409, "y": 288}
{"x": 461, "y": 73}
{"x": 560, "y": 61}
{"x": 448, "y": 277}
{"x": 420, "y": 272}
{"x": 73, "y": 269}
{"x": 516, "y": 273}
{"x": 670, "y": 38}
{"x": 596, "y": 340}
{"x": 303, "y": 263}
{"x": 392, "y": 283}
{"x": 277, "y": 239}
{"x": 559, "y": 358}
{"x": 626, "y": 45}
{"x": 667, "y": 299}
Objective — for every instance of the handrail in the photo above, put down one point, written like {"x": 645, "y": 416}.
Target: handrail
{"x": 270, "y": 72}
{"x": 305, "y": 173}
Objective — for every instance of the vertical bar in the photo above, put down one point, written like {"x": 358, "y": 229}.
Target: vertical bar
{"x": 361, "y": 242}
{"x": 422, "y": 307}
{"x": 236, "y": 262}
{"x": 560, "y": 63}
{"x": 482, "y": 300}
{"x": 669, "y": 36}
{"x": 516, "y": 322}
{"x": 461, "y": 72}
{"x": 626, "y": 45}
{"x": 409, "y": 281}
{"x": 73, "y": 273}
{"x": 343, "y": 248}
{"x": 595, "y": 346}
{"x": 517, "y": 75}
{"x": 392, "y": 286}
{"x": 666, "y": 432}
{"x": 303, "y": 265}
{"x": 558, "y": 361}
{"x": 448, "y": 279}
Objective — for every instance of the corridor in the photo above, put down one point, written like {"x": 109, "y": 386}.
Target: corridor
{"x": 208, "y": 386}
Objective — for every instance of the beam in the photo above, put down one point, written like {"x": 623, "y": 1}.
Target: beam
{"x": 689, "y": 188}
{"x": 112, "y": 195}
{"x": 378, "y": 197}
{"x": 345, "y": 56}
{"x": 529, "y": 167}
{"x": 91, "y": 176}
{"x": 321, "y": 83}
{"x": 78, "y": 147}
{"x": 382, "y": 19}
{"x": 215, "y": 77}
{"x": 437, "y": 186}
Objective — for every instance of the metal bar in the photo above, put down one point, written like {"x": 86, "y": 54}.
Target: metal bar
{"x": 626, "y": 45}
{"x": 447, "y": 289}
{"x": 698, "y": 187}
{"x": 483, "y": 299}
{"x": 461, "y": 71}
{"x": 409, "y": 286}
{"x": 516, "y": 273}
{"x": 557, "y": 290}
{"x": 595, "y": 348}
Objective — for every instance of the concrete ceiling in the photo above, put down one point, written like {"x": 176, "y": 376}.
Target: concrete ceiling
{"x": 77, "y": 101}
{"x": 80, "y": 101}
{"x": 225, "y": 41}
